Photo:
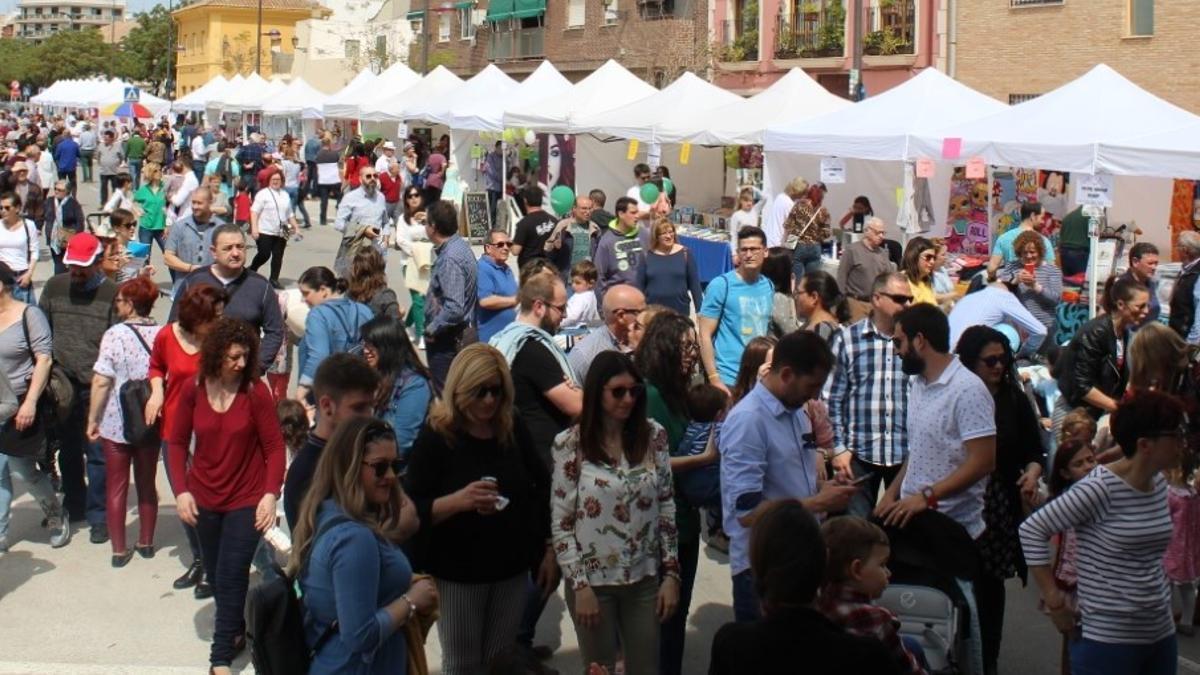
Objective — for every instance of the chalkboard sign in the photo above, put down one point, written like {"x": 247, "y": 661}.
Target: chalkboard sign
{"x": 475, "y": 210}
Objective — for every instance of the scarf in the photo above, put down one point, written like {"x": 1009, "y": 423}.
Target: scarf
{"x": 512, "y": 338}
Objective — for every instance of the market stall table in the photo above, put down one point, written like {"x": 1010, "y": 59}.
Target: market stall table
{"x": 712, "y": 257}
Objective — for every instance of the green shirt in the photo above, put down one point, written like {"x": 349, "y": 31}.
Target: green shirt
{"x": 1074, "y": 233}
{"x": 154, "y": 207}
{"x": 687, "y": 517}
{"x": 135, "y": 148}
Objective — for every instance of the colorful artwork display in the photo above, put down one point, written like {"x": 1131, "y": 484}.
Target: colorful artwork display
{"x": 968, "y": 229}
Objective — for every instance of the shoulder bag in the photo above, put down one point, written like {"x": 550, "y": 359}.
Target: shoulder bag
{"x": 31, "y": 441}
{"x": 132, "y": 397}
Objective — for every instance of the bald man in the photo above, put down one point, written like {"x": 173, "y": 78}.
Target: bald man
{"x": 622, "y": 306}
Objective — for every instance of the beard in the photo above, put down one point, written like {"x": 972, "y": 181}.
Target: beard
{"x": 549, "y": 325}
{"x": 912, "y": 364}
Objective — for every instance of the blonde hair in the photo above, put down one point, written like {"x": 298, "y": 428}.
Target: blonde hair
{"x": 660, "y": 225}
{"x": 1156, "y": 355}
{"x": 798, "y": 186}
{"x": 152, "y": 171}
{"x": 474, "y": 367}
{"x": 338, "y": 476}
{"x": 1076, "y": 421}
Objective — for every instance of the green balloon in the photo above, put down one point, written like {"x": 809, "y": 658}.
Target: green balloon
{"x": 668, "y": 186}
{"x": 649, "y": 193}
{"x": 562, "y": 200}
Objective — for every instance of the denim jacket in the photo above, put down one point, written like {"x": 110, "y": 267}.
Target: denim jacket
{"x": 406, "y": 409}
{"x": 332, "y": 327}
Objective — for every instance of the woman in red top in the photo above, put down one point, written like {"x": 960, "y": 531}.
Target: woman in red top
{"x": 356, "y": 158}
{"x": 175, "y": 357}
{"x": 228, "y": 493}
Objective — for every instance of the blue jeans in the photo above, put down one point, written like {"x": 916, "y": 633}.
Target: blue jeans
{"x": 746, "y": 607}
{"x": 24, "y": 294}
{"x": 298, "y": 204}
{"x": 79, "y": 457}
{"x": 228, "y": 540}
{"x": 146, "y": 236}
{"x": 135, "y": 172}
{"x": 1089, "y": 657}
{"x": 806, "y": 258}
{"x": 35, "y": 480}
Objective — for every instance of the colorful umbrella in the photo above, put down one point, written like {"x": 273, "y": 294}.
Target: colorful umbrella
{"x": 128, "y": 109}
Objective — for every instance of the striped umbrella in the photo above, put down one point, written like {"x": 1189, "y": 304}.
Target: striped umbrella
{"x": 127, "y": 109}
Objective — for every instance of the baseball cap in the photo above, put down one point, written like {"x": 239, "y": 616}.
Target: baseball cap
{"x": 388, "y": 145}
{"x": 83, "y": 249}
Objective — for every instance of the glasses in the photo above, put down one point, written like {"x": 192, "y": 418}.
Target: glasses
{"x": 413, "y": 195}
{"x": 621, "y": 392}
{"x": 691, "y": 347}
{"x": 993, "y": 361}
{"x": 898, "y": 298}
{"x": 368, "y": 175}
{"x": 751, "y": 250}
{"x": 928, "y": 256}
{"x": 562, "y": 309}
{"x": 494, "y": 390}
{"x": 871, "y": 230}
{"x": 381, "y": 467}
{"x": 501, "y": 244}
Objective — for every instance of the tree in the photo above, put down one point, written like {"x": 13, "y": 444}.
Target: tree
{"x": 146, "y": 56}
{"x": 73, "y": 54}
{"x": 16, "y": 60}
{"x": 238, "y": 55}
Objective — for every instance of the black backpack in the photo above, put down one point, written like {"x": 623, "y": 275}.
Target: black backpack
{"x": 132, "y": 397}
{"x": 275, "y": 621}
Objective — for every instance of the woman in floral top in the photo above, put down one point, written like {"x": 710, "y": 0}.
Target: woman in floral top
{"x": 613, "y": 520}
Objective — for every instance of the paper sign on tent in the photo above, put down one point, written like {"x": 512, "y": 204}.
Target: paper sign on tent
{"x": 833, "y": 170}
{"x": 1093, "y": 190}
{"x": 899, "y": 197}
{"x": 633, "y": 149}
{"x": 976, "y": 168}
{"x": 685, "y": 153}
{"x": 951, "y": 148}
{"x": 925, "y": 168}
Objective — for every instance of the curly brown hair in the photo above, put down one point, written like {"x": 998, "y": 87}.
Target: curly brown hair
{"x": 367, "y": 275}
{"x": 1025, "y": 239}
{"x": 225, "y": 333}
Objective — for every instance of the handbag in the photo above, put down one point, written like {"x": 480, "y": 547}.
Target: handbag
{"x": 31, "y": 441}
{"x": 132, "y": 397}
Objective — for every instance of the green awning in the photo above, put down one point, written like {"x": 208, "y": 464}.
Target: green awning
{"x": 465, "y": 5}
{"x": 499, "y": 10}
{"x": 527, "y": 9}
{"x": 416, "y": 15}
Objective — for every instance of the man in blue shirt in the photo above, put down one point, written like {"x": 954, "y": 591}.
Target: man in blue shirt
{"x": 1143, "y": 266}
{"x": 737, "y": 307}
{"x": 66, "y": 158}
{"x": 497, "y": 286}
{"x": 768, "y": 452}
{"x": 451, "y": 298}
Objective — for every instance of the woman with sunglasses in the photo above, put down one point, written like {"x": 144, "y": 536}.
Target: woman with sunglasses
{"x": 18, "y": 245}
{"x": 228, "y": 488}
{"x": 919, "y": 259}
{"x": 613, "y": 520}
{"x": 357, "y": 582}
{"x": 482, "y": 494}
{"x": 1014, "y": 482}
{"x": 1122, "y": 525}
{"x": 410, "y": 228}
{"x": 405, "y": 390}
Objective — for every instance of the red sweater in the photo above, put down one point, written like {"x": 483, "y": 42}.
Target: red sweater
{"x": 353, "y": 166}
{"x": 239, "y": 453}
{"x": 390, "y": 187}
{"x": 177, "y": 367}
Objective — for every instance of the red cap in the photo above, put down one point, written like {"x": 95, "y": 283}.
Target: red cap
{"x": 83, "y": 250}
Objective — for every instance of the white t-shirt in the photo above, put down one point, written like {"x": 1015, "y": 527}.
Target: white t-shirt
{"x": 18, "y": 245}
{"x": 327, "y": 174}
{"x": 775, "y": 217}
{"x": 119, "y": 200}
{"x": 381, "y": 164}
{"x": 199, "y": 149}
{"x": 942, "y": 416}
{"x": 739, "y": 220}
{"x": 272, "y": 207}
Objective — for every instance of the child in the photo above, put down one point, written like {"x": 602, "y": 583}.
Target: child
{"x": 1074, "y": 460}
{"x": 1182, "y": 560}
{"x": 857, "y": 574}
{"x": 581, "y": 307}
{"x": 700, "y": 484}
{"x": 294, "y": 423}
{"x": 241, "y": 204}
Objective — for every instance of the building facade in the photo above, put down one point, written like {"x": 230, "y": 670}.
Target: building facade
{"x": 224, "y": 37}
{"x": 38, "y": 19}
{"x": 1014, "y": 50}
{"x": 655, "y": 39}
{"x": 358, "y": 34}
{"x": 757, "y": 41}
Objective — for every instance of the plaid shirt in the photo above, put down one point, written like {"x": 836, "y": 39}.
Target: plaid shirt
{"x": 868, "y": 396}
{"x": 856, "y": 615}
{"x": 452, "y": 294}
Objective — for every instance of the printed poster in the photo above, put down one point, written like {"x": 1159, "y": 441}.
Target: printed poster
{"x": 558, "y": 166}
{"x": 968, "y": 230}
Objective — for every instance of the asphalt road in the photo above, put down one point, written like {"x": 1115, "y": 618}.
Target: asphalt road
{"x": 68, "y": 611}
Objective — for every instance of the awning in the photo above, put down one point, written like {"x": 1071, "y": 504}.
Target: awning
{"x": 470, "y": 4}
{"x": 527, "y": 9}
{"x": 416, "y": 15}
{"x": 499, "y": 10}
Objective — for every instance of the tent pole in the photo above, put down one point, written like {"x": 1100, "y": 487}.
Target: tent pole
{"x": 1093, "y": 254}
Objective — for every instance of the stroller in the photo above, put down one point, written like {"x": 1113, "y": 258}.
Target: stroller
{"x": 927, "y": 557}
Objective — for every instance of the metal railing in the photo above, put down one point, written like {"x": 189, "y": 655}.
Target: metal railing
{"x": 800, "y": 37}
{"x": 523, "y": 43}
{"x": 1033, "y": 3}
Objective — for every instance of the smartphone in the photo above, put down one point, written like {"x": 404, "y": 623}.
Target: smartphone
{"x": 862, "y": 479}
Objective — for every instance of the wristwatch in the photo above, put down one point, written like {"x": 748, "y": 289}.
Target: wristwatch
{"x": 931, "y": 500}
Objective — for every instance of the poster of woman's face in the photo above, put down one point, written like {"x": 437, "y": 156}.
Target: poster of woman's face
{"x": 557, "y": 154}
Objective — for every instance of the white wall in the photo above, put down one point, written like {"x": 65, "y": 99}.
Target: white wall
{"x": 699, "y": 184}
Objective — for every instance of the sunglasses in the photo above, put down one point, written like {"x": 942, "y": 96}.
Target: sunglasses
{"x": 928, "y": 256}
{"x": 501, "y": 244}
{"x": 484, "y": 391}
{"x": 993, "y": 361}
{"x": 368, "y": 175}
{"x": 634, "y": 391}
{"x": 381, "y": 467}
{"x": 413, "y": 195}
{"x": 898, "y": 298}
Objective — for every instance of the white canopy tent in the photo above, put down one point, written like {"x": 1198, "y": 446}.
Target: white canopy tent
{"x": 489, "y": 86}
{"x": 53, "y": 92}
{"x": 1171, "y": 153}
{"x": 609, "y": 86}
{"x": 643, "y": 118}
{"x": 96, "y": 93}
{"x": 487, "y": 113}
{"x": 1067, "y": 128}
{"x": 298, "y": 99}
{"x": 245, "y": 97}
{"x": 438, "y": 83}
{"x": 792, "y": 98}
{"x": 197, "y": 100}
{"x": 352, "y": 105}
{"x": 348, "y": 94}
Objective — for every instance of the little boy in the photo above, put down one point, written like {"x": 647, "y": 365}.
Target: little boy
{"x": 581, "y": 307}
{"x": 856, "y": 575}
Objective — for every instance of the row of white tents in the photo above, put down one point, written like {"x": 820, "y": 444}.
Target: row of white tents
{"x": 95, "y": 93}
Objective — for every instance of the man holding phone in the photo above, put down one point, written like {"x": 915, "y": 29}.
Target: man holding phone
{"x": 362, "y": 218}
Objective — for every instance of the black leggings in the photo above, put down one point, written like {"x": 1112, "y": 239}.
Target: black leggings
{"x": 270, "y": 247}
{"x": 989, "y": 598}
{"x": 228, "y": 540}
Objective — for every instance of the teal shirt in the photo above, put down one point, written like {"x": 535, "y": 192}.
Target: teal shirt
{"x": 154, "y": 204}
{"x": 742, "y": 312}
{"x": 1004, "y": 246}
{"x": 687, "y": 517}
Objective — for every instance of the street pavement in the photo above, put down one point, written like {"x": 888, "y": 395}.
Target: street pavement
{"x": 68, "y": 611}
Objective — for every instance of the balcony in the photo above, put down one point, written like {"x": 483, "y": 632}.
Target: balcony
{"x": 515, "y": 45}
{"x": 1034, "y": 3}
{"x": 891, "y": 28}
{"x": 739, "y": 46}
{"x": 815, "y": 30}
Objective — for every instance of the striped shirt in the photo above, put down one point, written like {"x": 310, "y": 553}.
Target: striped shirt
{"x": 1044, "y": 305}
{"x": 867, "y": 394}
{"x": 1121, "y": 536}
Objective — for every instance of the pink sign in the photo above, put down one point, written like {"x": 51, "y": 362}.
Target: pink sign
{"x": 951, "y": 148}
{"x": 976, "y": 168}
{"x": 925, "y": 168}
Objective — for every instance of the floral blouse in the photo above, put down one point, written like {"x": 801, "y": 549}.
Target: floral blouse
{"x": 612, "y": 525}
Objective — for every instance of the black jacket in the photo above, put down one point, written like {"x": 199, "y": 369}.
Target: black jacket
{"x": 251, "y": 299}
{"x": 1183, "y": 300}
{"x": 1091, "y": 361}
{"x": 793, "y": 642}
{"x": 73, "y": 218}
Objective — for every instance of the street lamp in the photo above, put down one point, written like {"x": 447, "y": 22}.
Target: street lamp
{"x": 274, "y": 34}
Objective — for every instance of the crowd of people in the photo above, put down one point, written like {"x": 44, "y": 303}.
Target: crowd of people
{"x": 448, "y": 448}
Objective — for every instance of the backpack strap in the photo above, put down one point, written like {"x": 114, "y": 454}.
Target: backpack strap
{"x": 139, "y": 337}
{"x": 333, "y": 627}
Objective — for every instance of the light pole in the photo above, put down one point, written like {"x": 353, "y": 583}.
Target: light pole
{"x": 258, "y": 41}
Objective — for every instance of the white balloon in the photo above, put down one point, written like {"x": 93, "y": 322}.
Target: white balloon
{"x": 530, "y": 137}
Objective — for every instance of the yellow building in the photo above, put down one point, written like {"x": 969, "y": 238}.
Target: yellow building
{"x": 220, "y": 37}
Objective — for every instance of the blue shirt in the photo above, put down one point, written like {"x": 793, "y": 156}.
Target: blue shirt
{"x": 66, "y": 155}
{"x": 742, "y": 311}
{"x": 311, "y": 147}
{"x": 1004, "y": 246}
{"x": 991, "y": 306}
{"x": 332, "y": 327}
{"x": 451, "y": 298}
{"x": 407, "y": 407}
{"x": 494, "y": 279}
{"x": 765, "y": 455}
{"x": 351, "y": 577}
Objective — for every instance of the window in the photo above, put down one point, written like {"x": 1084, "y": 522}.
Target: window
{"x": 1141, "y": 18}
{"x": 466, "y": 21}
{"x": 116, "y": 14}
{"x": 814, "y": 29}
{"x": 351, "y": 47}
{"x": 1014, "y": 99}
{"x": 444, "y": 27}
{"x": 891, "y": 27}
{"x": 418, "y": 26}
{"x": 611, "y": 13}
{"x": 576, "y": 13}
